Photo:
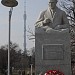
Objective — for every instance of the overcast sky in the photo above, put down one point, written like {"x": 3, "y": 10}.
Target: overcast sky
{"x": 33, "y": 8}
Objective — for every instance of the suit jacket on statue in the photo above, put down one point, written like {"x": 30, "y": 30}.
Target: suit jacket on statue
{"x": 59, "y": 18}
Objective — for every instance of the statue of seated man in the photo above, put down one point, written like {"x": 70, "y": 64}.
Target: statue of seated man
{"x": 52, "y": 18}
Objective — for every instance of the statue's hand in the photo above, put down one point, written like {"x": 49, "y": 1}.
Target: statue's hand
{"x": 46, "y": 21}
{"x": 45, "y": 27}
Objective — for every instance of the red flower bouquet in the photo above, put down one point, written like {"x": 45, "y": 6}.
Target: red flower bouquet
{"x": 53, "y": 72}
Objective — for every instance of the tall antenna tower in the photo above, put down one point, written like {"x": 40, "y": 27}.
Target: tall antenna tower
{"x": 24, "y": 26}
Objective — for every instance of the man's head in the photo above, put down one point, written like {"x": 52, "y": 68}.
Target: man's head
{"x": 52, "y": 3}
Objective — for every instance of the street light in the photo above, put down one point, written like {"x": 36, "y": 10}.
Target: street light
{"x": 11, "y": 4}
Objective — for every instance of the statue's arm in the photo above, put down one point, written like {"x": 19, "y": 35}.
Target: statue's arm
{"x": 65, "y": 21}
{"x": 40, "y": 19}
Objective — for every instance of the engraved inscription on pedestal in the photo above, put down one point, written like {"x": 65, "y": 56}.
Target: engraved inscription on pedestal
{"x": 52, "y": 52}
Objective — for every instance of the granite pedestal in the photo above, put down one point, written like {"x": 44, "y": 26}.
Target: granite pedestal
{"x": 52, "y": 52}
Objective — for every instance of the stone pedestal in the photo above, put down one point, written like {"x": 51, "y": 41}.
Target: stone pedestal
{"x": 52, "y": 52}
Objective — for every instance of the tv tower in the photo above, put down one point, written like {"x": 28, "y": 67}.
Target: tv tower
{"x": 24, "y": 26}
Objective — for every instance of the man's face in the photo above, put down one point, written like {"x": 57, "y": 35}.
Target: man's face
{"x": 52, "y": 5}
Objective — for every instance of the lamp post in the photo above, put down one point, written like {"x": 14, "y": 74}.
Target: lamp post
{"x": 11, "y": 4}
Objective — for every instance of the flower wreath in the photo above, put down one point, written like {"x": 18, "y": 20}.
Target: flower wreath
{"x": 53, "y": 72}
